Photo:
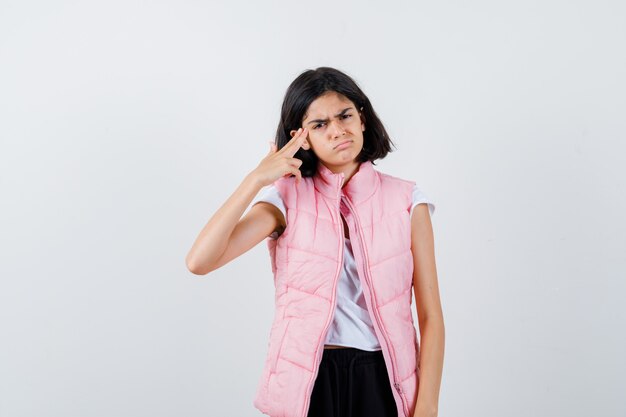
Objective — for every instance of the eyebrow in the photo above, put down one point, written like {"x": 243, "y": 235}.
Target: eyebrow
{"x": 341, "y": 113}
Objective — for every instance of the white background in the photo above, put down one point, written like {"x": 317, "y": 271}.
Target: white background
{"x": 124, "y": 125}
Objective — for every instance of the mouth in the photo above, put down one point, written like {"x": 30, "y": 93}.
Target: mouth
{"x": 343, "y": 144}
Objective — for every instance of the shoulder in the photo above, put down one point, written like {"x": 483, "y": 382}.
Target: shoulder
{"x": 392, "y": 185}
{"x": 394, "y": 179}
{"x": 270, "y": 194}
{"x": 395, "y": 188}
{"x": 291, "y": 191}
{"x": 420, "y": 197}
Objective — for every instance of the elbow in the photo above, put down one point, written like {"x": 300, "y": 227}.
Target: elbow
{"x": 433, "y": 321}
{"x": 195, "y": 271}
{"x": 196, "y": 268}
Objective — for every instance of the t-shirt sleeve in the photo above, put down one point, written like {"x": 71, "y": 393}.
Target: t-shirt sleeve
{"x": 420, "y": 197}
{"x": 270, "y": 194}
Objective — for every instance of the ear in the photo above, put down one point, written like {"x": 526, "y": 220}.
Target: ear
{"x": 305, "y": 145}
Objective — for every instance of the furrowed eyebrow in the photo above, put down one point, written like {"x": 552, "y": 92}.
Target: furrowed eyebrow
{"x": 337, "y": 115}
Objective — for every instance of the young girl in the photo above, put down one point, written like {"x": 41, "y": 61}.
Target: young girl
{"x": 347, "y": 244}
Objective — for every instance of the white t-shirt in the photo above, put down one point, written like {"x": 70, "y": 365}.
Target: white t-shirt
{"x": 352, "y": 325}
{"x": 271, "y": 195}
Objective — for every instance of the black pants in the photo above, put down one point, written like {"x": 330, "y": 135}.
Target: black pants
{"x": 352, "y": 383}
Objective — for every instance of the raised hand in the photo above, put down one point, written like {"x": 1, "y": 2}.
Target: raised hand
{"x": 281, "y": 163}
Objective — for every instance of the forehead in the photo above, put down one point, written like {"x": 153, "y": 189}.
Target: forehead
{"x": 327, "y": 105}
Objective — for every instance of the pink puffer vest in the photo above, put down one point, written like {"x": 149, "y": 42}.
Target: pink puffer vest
{"x": 307, "y": 260}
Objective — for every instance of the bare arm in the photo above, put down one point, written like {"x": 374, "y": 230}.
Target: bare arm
{"x": 214, "y": 238}
{"x": 226, "y": 235}
{"x": 429, "y": 312}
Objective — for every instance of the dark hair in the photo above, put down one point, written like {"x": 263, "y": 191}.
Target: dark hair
{"x": 310, "y": 85}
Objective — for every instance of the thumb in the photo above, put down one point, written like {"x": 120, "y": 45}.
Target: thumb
{"x": 272, "y": 147}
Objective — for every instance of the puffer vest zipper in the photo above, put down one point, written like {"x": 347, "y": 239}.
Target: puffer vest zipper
{"x": 306, "y": 262}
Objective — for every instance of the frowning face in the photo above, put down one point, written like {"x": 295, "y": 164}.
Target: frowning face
{"x": 335, "y": 131}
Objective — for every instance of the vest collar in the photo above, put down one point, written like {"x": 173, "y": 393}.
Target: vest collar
{"x": 359, "y": 188}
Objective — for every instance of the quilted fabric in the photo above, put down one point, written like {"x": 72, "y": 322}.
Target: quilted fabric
{"x": 306, "y": 261}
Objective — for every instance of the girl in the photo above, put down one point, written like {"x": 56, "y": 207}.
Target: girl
{"x": 347, "y": 244}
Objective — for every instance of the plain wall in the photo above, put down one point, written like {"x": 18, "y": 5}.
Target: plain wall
{"x": 124, "y": 125}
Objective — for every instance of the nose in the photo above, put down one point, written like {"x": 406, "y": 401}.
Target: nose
{"x": 337, "y": 130}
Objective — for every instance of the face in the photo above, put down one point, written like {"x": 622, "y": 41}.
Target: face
{"x": 335, "y": 131}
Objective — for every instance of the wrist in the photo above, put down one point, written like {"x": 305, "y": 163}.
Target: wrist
{"x": 252, "y": 180}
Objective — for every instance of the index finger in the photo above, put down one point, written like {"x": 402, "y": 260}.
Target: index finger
{"x": 296, "y": 142}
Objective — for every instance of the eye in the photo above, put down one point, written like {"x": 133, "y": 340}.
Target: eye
{"x": 345, "y": 116}
{"x": 317, "y": 125}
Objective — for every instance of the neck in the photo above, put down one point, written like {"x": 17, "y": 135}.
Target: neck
{"x": 348, "y": 170}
